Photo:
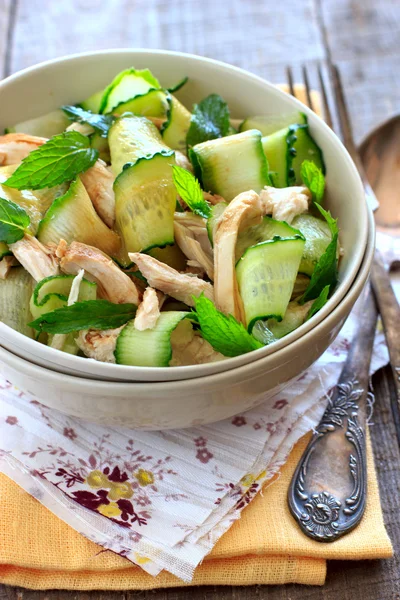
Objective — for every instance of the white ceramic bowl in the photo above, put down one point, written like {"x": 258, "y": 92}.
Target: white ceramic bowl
{"x": 71, "y": 79}
{"x": 186, "y": 403}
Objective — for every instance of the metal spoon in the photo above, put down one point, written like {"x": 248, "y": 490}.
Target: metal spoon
{"x": 327, "y": 494}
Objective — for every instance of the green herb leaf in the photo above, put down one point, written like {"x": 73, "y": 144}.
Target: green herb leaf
{"x": 224, "y": 333}
{"x": 210, "y": 120}
{"x": 98, "y": 314}
{"x": 326, "y": 271}
{"x": 189, "y": 190}
{"x": 101, "y": 123}
{"x": 319, "y": 302}
{"x": 60, "y": 159}
{"x": 178, "y": 85}
{"x": 314, "y": 179}
{"x": 13, "y": 221}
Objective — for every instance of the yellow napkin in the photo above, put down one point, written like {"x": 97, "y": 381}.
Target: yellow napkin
{"x": 39, "y": 551}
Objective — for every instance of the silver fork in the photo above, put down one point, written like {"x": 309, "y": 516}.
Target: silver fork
{"x": 327, "y": 495}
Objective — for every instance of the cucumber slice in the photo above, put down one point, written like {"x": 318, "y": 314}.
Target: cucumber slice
{"x": 152, "y": 104}
{"x": 52, "y": 293}
{"x": 305, "y": 149}
{"x": 278, "y": 153}
{"x": 4, "y": 250}
{"x": 15, "y": 293}
{"x": 73, "y": 218}
{"x": 266, "y": 230}
{"x": 270, "y": 124}
{"x": 100, "y": 143}
{"x": 93, "y": 102}
{"x": 145, "y": 199}
{"x": 266, "y": 274}
{"x": 317, "y": 235}
{"x": 214, "y": 218}
{"x": 151, "y": 347}
{"x": 69, "y": 345}
{"x": 34, "y": 202}
{"x": 45, "y": 126}
{"x": 127, "y": 85}
{"x": 295, "y": 316}
{"x": 285, "y": 151}
{"x": 132, "y": 137}
{"x": 176, "y": 127}
{"x": 231, "y": 165}
{"x": 171, "y": 256}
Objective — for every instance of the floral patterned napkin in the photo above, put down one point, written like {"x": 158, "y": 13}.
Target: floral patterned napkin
{"x": 161, "y": 499}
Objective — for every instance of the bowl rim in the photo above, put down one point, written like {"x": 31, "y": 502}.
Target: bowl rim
{"x": 242, "y": 373}
{"x": 131, "y": 373}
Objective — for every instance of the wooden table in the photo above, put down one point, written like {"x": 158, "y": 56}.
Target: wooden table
{"x": 261, "y": 36}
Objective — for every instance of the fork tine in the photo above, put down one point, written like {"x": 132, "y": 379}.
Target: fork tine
{"x": 308, "y": 89}
{"x": 327, "y": 110}
{"x": 289, "y": 75}
{"x": 343, "y": 112}
{"x": 347, "y": 132}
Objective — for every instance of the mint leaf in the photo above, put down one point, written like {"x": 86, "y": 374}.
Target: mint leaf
{"x": 319, "y": 302}
{"x": 96, "y": 314}
{"x": 60, "y": 159}
{"x": 178, "y": 85}
{"x": 210, "y": 120}
{"x": 13, "y": 221}
{"x": 101, "y": 123}
{"x": 224, "y": 333}
{"x": 189, "y": 190}
{"x": 325, "y": 272}
{"x": 314, "y": 179}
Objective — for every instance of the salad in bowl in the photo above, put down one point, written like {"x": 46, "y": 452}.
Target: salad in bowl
{"x": 139, "y": 231}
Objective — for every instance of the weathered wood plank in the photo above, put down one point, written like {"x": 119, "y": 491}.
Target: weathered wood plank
{"x": 356, "y": 30}
{"x": 251, "y": 34}
{"x": 6, "y": 18}
{"x": 362, "y": 37}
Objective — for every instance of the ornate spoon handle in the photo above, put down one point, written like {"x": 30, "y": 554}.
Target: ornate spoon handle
{"x": 328, "y": 491}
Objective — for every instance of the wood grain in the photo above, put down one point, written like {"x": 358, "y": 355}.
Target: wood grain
{"x": 7, "y": 16}
{"x": 255, "y": 35}
{"x": 261, "y": 37}
{"x": 362, "y": 38}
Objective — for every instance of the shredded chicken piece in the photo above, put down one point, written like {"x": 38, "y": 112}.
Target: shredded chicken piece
{"x": 196, "y": 227}
{"x": 99, "y": 181}
{"x": 5, "y": 265}
{"x": 82, "y": 128}
{"x": 183, "y": 161}
{"x": 244, "y": 211}
{"x": 213, "y": 198}
{"x": 166, "y": 279}
{"x": 14, "y": 147}
{"x": 37, "y": 259}
{"x": 189, "y": 348}
{"x": 99, "y": 345}
{"x": 113, "y": 284}
{"x": 186, "y": 240}
{"x": 194, "y": 268}
{"x": 285, "y": 203}
{"x": 148, "y": 311}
